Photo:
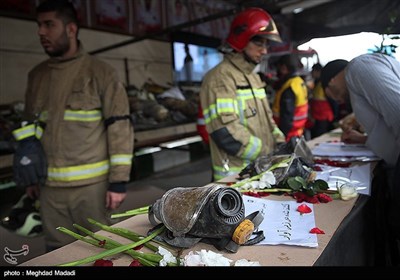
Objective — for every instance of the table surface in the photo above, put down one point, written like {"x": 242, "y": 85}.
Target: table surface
{"x": 328, "y": 217}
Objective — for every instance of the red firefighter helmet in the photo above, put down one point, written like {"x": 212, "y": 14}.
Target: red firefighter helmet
{"x": 251, "y": 22}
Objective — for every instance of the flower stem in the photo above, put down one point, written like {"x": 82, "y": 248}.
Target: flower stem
{"x": 258, "y": 176}
{"x": 133, "y": 212}
{"x": 123, "y": 232}
{"x": 106, "y": 245}
{"x": 147, "y": 259}
{"x": 268, "y": 190}
{"x": 116, "y": 250}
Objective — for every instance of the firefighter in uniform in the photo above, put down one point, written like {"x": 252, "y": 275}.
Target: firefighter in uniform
{"x": 290, "y": 106}
{"x": 235, "y": 105}
{"x": 75, "y": 150}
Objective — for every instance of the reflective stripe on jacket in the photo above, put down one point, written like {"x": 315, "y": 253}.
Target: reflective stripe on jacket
{"x": 237, "y": 115}
{"x": 298, "y": 87}
{"x": 73, "y": 98}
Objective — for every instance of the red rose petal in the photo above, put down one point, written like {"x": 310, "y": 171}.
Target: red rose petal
{"x": 262, "y": 194}
{"x": 102, "y": 262}
{"x": 304, "y": 209}
{"x": 317, "y": 168}
{"x": 317, "y": 231}
{"x": 252, "y": 194}
{"x": 324, "y": 198}
{"x": 138, "y": 247}
{"x": 135, "y": 263}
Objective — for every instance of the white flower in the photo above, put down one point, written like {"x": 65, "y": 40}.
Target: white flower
{"x": 244, "y": 262}
{"x": 167, "y": 256}
{"x": 191, "y": 259}
{"x": 205, "y": 258}
{"x": 347, "y": 191}
{"x": 250, "y": 185}
{"x": 269, "y": 179}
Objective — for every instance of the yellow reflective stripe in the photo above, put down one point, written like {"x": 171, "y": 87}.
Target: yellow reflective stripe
{"x": 210, "y": 113}
{"x": 247, "y": 94}
{"x": 260, "y": 93}
{"x": 121, "y": 159}
{"x": 84, "y": 116}
{"x": 43, "y": 116}
{"x": 220, "y": 172}
{"x": 253, "y": 149}
{"x": 78, "y": 172}
{"x": 24, "y": 132}
{"x": 39, "y": 132}
{"x": 229, "y": 105}
{"x": 28, "y": 131}
{"x": 226, "y": 105}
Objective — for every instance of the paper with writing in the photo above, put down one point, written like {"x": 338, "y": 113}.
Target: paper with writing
{"x": 282, "y": 223}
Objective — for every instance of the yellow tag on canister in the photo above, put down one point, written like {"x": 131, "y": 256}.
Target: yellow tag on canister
{"x": 243, "y": 232}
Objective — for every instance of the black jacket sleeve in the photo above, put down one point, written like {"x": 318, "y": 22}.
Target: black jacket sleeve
{"x": 287, "y": 106}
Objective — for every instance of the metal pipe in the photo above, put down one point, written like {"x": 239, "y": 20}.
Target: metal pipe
{"x": 166, "y": 30}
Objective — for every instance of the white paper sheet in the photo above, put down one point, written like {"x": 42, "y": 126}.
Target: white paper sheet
{"x": 338, "y": 149}
{"x": 282, "y": 223}
{"x": 358, "y": 175}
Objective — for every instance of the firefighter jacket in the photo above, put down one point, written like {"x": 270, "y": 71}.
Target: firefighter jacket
{"x": 290, "y": 107}
{"x": 321, "y": 109}
{"x": 74, "y": 98}
{"x": 237, "y": 115}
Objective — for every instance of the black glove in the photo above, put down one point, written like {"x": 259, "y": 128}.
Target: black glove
{"x": 30, "y": 164}
{"x": 119, "y": 187}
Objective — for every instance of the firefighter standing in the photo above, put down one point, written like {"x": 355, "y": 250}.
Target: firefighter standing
{"x": 235, "y": 105}
{"x": 78, "y": 108}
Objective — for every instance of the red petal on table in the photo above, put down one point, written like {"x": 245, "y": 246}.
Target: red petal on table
{"x": 252, "y": 194}
{"x": 324, "y": 198}
{"x": 317, "y": 231}
{"x": 102, "y": 262}
{"x": 332, "y": 163}
{"x": 317, "y": 168}
{"x": 263, "y": 194}
{"x": 135, "y": 263}
{"x": 300, "y": 197}
{"x": 304, "y": 209}
{"x": 138, "y": 247}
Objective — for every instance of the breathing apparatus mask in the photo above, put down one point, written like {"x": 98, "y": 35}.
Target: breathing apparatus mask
{"x": 300, "y": 163}
{"x": 212, "y": 214}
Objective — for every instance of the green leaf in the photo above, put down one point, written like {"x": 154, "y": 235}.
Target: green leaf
{"x": 294, "y": 183}
{"x": 301, "y": 180}
{"x": 320, "y": 184}
{"x": 310, "y": 192}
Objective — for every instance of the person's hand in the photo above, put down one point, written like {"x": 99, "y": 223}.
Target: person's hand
{"x": 114, "y": 199}
{"x": 278, "y": 135}
{"x": 353, "y": 137}
{"x": 33, "y": 191}
{"x": 349, "y": 122}
{"x": 29, "y": 163}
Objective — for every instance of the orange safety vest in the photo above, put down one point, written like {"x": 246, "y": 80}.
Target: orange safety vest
{"x": 301, "y": 106}
{"x": 321, "y": 109}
